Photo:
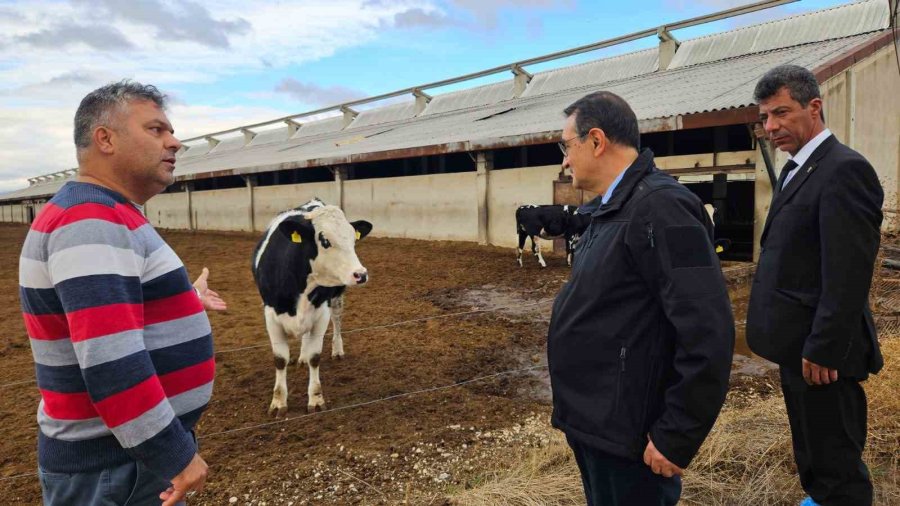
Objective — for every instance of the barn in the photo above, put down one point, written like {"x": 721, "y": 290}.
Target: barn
{"x": 456, "y": 165}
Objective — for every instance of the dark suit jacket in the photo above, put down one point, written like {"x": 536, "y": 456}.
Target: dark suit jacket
{"x": 810, "y": 293}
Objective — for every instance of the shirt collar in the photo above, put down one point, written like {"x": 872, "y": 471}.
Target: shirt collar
{"x": 806, "y": 151}
{"x": 609, "y": 191}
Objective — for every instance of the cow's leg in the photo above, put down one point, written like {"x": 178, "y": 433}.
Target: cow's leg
{"x": 522, "y": 236}
{"x": 312, "y": 355}
{"x": 337, "y": 342}
{"x": 537, "y": 246}
{"x": 282, "y": 352}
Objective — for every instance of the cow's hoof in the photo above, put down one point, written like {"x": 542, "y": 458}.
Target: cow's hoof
{"x": 339, "y": 356}
{"x": 277, "y": 411}
{"x": 313, "y": 409}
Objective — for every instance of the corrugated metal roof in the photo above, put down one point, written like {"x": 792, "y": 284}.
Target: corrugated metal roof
{"x": 707, "y": 87}
{"x": 229, "y": 144}
{"x": 595, "y": 72}
{"x": 472, "y": 97}
{"x": 385, "y": 114}
{"x": 708, "y": 73}
{"x": 321, "y": 126}
{"x": 841, "y": 21}
{"x": 269, "y": 136}
{"x": 195, "y": 150}
{"x": 38, "y": 190}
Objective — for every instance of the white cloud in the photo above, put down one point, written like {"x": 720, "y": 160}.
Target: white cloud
{"x": 52, "y": 53}
{"x": 314, "y": 94}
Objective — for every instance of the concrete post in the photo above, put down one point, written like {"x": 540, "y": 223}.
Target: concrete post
{"x": 251, "y": 182}
{"x": 484, "y": 163}
{"x": 349, "y": 115}
{"x": 340, "y": 175}
{"x": 293, "y": 126}
{"x": 422, "y": 100}
{"x": 521, "y": 80}
{"x": 668, "y": 45}
{"x": 190, "y": 211}
{"x": 248, "y": 135}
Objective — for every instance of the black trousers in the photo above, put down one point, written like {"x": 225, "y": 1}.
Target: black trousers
{"x": 828, "y": 430}
{"x": 614, "y": 481}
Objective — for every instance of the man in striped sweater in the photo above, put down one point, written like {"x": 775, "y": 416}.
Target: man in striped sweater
{"x": 122, "y": 345}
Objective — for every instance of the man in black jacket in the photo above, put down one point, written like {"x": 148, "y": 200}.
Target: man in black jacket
{"x": 809, "y": 310}
{"x": 642, "y": 335}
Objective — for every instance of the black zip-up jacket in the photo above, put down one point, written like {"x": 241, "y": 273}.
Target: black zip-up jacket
{"x": 642, "y": 335}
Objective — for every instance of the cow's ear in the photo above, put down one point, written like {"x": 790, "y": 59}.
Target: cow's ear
{"x": 362, "y": 228}
{"x": 297, "y": 230}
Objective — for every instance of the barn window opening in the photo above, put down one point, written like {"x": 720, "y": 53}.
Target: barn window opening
{"x": 535, "y": 155}
{"x": 698, "y": 140}
{"x": 218, "y": 183}
{"x": 416, "y": 166}
{"x": 294, "y": 176}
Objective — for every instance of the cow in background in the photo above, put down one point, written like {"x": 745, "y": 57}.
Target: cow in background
{"x": 721, "y": 245}
{"x": 549, "y": 222}
{"x": 302, "y": 264}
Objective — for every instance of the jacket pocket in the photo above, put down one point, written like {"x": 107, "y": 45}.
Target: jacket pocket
{"x": 804, "y": 299}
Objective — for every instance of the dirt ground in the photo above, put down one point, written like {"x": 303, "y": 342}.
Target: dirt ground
{"x": 404, "y": 422}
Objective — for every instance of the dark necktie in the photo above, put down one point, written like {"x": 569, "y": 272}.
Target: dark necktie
{"x": 788, "y": 167}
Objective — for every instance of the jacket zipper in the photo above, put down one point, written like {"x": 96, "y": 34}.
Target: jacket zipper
{"x": 622, "y": 354}
{"x": 650, "y": 235}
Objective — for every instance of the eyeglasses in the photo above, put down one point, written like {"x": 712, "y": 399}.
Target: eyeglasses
{"x": 564, "y": 144}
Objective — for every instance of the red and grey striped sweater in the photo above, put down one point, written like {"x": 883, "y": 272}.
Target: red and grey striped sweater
{"x": 122, "y": 346}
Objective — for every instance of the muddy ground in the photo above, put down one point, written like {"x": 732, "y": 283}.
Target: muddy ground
{"x": 405, "y": 423}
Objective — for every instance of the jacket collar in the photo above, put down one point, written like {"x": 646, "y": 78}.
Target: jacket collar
{"x": 803, "y": 173}
{"x": 641, "y": 166}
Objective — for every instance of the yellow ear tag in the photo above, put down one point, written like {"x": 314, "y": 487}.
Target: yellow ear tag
{"x": 719, "y": 249}
{"x": 296, "y": 237}
{"x": 358, "y": 235}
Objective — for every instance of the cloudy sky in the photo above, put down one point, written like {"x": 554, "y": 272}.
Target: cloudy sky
{"x": 230, "y": 62}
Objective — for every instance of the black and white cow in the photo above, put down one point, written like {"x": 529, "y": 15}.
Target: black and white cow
{"x": 549, "y": 222}
{"x": 721, "y": 245}
{"x": 302, "y": 266}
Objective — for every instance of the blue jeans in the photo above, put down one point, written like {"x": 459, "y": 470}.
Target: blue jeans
{"x": 131, "y": 484}
{"x": 614, "y": 481}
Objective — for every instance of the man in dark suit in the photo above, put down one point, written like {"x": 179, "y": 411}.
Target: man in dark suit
{"x": 809, "y": 310}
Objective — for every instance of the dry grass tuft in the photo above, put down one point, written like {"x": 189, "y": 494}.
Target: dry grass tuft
{"x": 546, "y": 476}
{"x": 746, "y": 460}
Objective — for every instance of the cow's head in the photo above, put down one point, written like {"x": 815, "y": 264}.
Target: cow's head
{"x": 330, "y": 243}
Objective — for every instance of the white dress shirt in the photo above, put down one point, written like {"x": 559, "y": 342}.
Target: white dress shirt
{"x": 804, "y": 154}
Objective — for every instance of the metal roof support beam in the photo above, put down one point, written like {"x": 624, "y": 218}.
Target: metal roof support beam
{"x": 422, "y": 100}
{"x": 212, "y": 141}
{"x": 521, "y": 80}
{"x": 248, "y": 135}
{"x": 668, "y": 44}
{"x": 736, "y": 11}
{"x": 293, "y": 126}
{"x": 349, "y": 115}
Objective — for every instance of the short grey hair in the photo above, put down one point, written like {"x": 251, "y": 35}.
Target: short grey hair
{"x": 800, "y": 82}
{"x": 97, "y": 108}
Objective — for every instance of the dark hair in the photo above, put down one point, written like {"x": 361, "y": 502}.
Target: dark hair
{"x": 608, "y": 112}
{"x": 97, "y": 108}
{"x": 800, "y": 82}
